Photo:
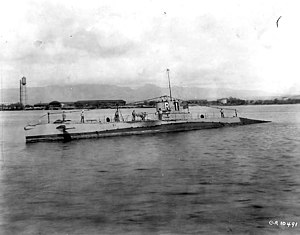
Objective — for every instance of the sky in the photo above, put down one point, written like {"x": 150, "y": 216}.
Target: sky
{"x": 208, "y": 44}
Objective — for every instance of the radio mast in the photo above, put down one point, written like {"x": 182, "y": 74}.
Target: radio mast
{"x": 168, "y": 70}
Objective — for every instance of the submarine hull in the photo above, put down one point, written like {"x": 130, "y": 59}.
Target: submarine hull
{"x": 73, "y": 131}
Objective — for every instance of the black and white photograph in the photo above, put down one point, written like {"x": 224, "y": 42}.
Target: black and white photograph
{"x": 161, "y": 117}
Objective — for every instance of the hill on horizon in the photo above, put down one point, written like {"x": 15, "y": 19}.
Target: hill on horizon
{"x": 71, "y": 93}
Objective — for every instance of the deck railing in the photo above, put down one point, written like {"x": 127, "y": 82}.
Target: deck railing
{"x": 51, "y": 117}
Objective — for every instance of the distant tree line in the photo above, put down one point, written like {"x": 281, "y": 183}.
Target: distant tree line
{"x": 275, "y": 101}
{"x": 235, "y": 101}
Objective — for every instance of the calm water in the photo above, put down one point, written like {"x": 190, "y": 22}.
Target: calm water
{"x": 220, "y": 181}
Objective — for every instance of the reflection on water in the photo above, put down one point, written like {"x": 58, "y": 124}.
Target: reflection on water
{"x": 220, "y": 181}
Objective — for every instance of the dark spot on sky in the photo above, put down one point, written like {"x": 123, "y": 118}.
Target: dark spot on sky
{"x": 38, "y": 43}
{"x": 257, "y": 206}
{"x": 278, "y": 21}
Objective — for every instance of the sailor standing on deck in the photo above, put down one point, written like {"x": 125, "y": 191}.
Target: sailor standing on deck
{"x": 133, "y": 115}
{"x": 82, "y": 116}
{"x": 160, "y": 113}
{"x": 64, "y": 116}
{"x": 117, "y": 116}
{"x": 222, "y": 113}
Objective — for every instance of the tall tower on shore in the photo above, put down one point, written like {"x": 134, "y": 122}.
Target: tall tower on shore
{"x": 23, "y": 95}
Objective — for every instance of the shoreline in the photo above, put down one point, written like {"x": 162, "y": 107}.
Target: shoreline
{"x": 145, "y": 107}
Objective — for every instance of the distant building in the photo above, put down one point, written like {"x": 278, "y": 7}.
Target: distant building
{"x": 68, "y": 105}
{"x": 29, "y": 107}
{"x": 223, "y": 100}
{"x": 40, "y": 106}
{"x": 55, "y": 105}
{"x": 13, "y": 106}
